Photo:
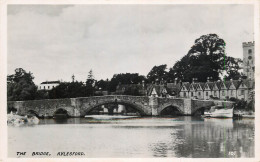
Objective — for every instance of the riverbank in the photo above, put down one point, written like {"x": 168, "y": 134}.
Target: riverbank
{"x": 17, "y": 120}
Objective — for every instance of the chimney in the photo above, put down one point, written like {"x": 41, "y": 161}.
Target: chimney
{"x": 175, "y": 81}
{"x": 194, "y": 80}
{"x": 143, "y": 83}
{"x": 157, "y": 81}
{"x": 162, "y": 82}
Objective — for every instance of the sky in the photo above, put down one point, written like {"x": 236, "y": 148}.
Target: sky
{"x": 56, "y": 41}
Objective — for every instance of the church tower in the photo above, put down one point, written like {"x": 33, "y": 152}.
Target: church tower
{"x": 249, "y": 59}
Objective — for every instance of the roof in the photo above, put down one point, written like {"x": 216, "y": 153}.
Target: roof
{"x": 202, "y": 85}
{"x": 249, "y": 83}
{"x": 236, "y": 83}
{"x": 195, "y": 85}
{"x": 158, "y": 89}
{"x": 227, "y": 84}
{"x": 210, "y": 84}
{"x": 51, "y": 82}
{"x": 172, "y": 87}
{"x": 186, "y": 85}
{"x": 218, "y": 84}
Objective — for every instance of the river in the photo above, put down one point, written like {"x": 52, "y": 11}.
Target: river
{"x": 183, "y": 136}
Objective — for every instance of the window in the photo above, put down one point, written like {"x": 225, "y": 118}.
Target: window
{"x": 48, "y": 87}
{"x": 191, "y": 94}
{"x": 249, "y": 51}
{"x": 215, "y": 93}
{"x": 199, "y": 93}
{"x": 44, "y": 87}
{"x": 242, "y": 92}
{"x": 184, "y": 94}
{"x": 52, "y": 86}
{"x": 232, "y": 93}
{"x": 223, "y": 93}
{"x": 207, "y": 93}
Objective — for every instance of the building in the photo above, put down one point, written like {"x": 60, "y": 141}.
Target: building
{"x": 208, "y": 89}
{"x": 158, "y": 90}
{"x": 244, "y": 88}
{"x": 193, "y": 89}
{"x": 232, "y": 90}
{"x": 218, "y": 90}
{"x": 48, "y": 85}
{"x": 224, "y": 89}
{"x": 184, "y": 92}
{"x": 249, "y": 59}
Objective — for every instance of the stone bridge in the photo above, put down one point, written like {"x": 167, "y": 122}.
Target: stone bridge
{"x": 76, "y": 107}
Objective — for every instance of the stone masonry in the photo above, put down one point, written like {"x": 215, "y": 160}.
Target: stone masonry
{"x": 76, "y": 107}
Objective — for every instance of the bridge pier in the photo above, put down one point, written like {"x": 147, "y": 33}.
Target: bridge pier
{"x": 187, "y": 106}
{"x": 153, "y": 103}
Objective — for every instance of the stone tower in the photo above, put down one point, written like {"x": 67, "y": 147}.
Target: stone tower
{"x": 249, "y": 59}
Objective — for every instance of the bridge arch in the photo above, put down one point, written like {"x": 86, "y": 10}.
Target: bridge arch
{"x": 199, "y": 110}
{"x": 33, "y": 112}
{"x": 173, "y": 106}
{"x": 68, "y": 110}
{"x": 12, "y": 109}
{"x": 135, "y": 106}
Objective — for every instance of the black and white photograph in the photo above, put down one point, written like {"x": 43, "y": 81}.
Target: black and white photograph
{"x": 130, "y": 80}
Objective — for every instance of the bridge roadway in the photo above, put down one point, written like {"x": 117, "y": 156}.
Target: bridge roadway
{"x": 146, "y": 106}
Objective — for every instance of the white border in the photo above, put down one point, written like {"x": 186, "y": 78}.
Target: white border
{"x": 3, "y": 74}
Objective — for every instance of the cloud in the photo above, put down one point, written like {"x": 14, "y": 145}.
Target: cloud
{"x": 56, "y": 42}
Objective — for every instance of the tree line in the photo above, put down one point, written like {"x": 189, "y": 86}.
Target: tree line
{"x": 206, "y": 58}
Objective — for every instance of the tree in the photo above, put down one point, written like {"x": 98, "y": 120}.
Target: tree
{"x": 68, "y": 90}
{"x": 206, "y": 58}
{"x": 158, "y": 72}
{"x": 102, "y": 85}
{"x": 90, "y": 84}
{"x": 232, "y": 67}
{"x": 127, "y": 78}
{"x": 251, "y": 103}
{"x": 90, "y": 79}
{"x": 20, "y": 86}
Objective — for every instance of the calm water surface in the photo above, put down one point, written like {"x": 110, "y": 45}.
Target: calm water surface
{"x": 184, "y": 136}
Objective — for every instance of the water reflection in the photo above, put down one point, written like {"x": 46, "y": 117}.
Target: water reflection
{"x": 211, "y": 138}
{"x": 139, "y": 137}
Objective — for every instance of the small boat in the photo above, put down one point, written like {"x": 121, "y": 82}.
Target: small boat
{"x": 221, "y": 112}
{"x": 206, "y": 114}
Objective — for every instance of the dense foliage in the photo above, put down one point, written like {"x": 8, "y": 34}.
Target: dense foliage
{"x": 127, "y": 78}
{"x": 20, "y": 86}
{"x": 158, "y": 72}
{"x": 206, "y": 58}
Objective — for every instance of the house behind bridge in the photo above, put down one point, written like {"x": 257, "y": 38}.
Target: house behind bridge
{"x": 220, "y": 89}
